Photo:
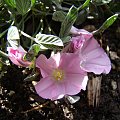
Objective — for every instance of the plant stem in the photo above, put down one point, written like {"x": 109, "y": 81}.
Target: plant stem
{"x": 28, "y": 36}
{"x": 3, "y": 54}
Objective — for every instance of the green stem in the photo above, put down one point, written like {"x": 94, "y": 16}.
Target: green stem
{"x": 3, "y": 54}
{"x": 28, "y": 36}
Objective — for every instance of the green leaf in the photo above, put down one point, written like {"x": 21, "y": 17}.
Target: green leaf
{"x": 1, "y": 34}
{"x": 101, "y": 2}
{"x": 10, "y": 3}
{"x": 33, "y": 51}
{"x": 32, "y": 2}
{"x": 13, "y": 36}
{"x": 68, "y": 21}
{"x": 49, "y": 41}
{"x": 106, "y": 24}
{"x": 59, "y": 16}
{"x": 57, "y": 3}
{"x": 86, "y": 3}
{"x": 23, "y": 6}
{"x": 66, "y": 39}
{"x": 3, "y": 58}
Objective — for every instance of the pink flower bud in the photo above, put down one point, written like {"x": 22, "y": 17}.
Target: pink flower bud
{"x": 16, "y": 56}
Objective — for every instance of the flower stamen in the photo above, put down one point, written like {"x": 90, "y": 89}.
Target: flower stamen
{"x": 58, "y": 74}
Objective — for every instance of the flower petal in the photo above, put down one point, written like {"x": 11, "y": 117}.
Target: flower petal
{"x": 16, "y": 56}
{"x": 77, "y": 43}
{"x": 70, "y": 63}
{"x": 74, "y": 83}
{"x": 50, "y": 89}
{"x": 87, "y": 35}
{"x": 94, "y": 58}
{"x": 89, "y": 45}
{"x": 15, "y": 61}
{"x": 74, "y": 30}
{"x": 45, "y": 65}
{"x": 21, "y": 49}
{"x": 24, "y": 63}
{"x": 78, "y": 32}
{"x": 12, "y": 57}
{"x": 55, "y": 60}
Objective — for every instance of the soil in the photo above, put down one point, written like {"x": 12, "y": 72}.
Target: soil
{"x": 19, "y": 101}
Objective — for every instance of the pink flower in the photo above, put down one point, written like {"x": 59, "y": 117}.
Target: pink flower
{"x": 61, "y": 76}
{"x": 92, "y": 56}
{"x": 75, "y": 32}
{"x": 16, "y": 56}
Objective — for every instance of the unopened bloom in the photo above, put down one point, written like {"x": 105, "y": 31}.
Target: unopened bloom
{"x": 16, "y": 56}
{"x": 93, "y": 57}
{"x": 61, "y": 76}
{"x": 75, "y": 32}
